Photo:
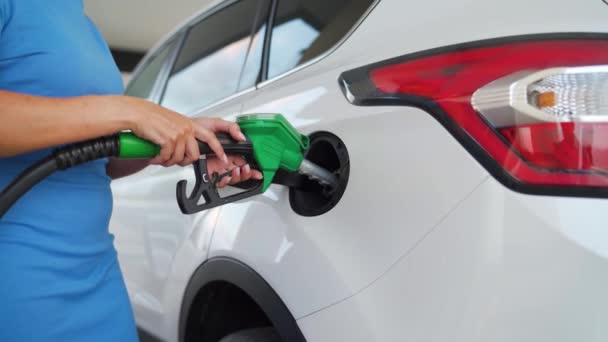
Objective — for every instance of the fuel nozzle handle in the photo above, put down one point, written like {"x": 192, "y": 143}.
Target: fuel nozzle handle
{"x": 272, "y": 144}
{"x": 132, "y": 146}
{"x": 277, "y": 153}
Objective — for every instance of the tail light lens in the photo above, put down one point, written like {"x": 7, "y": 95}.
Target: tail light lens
{"x": 532, "y": 110}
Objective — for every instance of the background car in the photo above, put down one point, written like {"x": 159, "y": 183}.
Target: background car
{"x": 474, "y": 207}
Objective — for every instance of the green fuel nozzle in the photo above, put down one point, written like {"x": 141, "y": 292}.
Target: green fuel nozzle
{"x": 272, "y": 144}
{"x": 276, "y": 143}
{"x": 131, "y": 146}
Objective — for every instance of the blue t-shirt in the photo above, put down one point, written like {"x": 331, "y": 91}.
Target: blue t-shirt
{"x": 61, "y": 280}
{"x": 50, "y": 48}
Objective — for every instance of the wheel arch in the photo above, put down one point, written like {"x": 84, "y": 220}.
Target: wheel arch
{"x": 249, "y": 281}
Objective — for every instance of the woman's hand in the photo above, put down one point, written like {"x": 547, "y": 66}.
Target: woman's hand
{"x": 174, "y": 133}
{"x": 241, "y": 171}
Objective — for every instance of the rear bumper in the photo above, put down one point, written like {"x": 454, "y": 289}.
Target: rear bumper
{"x": 501, "y": 267}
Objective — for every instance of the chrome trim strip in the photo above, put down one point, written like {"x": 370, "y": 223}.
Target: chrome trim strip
{"x": 162, "y": 77}
{"x": 198, "y": 112}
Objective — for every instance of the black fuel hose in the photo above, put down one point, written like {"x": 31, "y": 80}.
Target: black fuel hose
{"x": 61, "y": 159}
{"x": 122, "y": 145}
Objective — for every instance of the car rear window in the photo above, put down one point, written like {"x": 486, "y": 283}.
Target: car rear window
{"x": 304, "y": 29}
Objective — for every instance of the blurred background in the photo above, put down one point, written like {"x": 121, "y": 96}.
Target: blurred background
{"x": 132, "y": 27}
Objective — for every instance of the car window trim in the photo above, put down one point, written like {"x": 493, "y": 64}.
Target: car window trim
{"x": 321, "y": 56}
{"x": 179, "y": 33}
{"x": 222, "y": 5}
{"x": 179, "y": 29}
{"x": 267, "y": 39}
{"x": 145, "y": 63}
{"x": 211, "y": 11}
{"x": 178, "y": 51}
{"x": 188, "y": 28}
{"x": 186, "y": 31}
{"x": 199, "y": 111}
{"x": 259, "y": 14}
{"x": 163, "y": 76}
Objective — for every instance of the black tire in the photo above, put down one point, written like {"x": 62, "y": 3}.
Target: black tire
{"x": 253, "y": 335}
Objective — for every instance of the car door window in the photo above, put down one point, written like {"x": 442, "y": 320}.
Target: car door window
{"x": 211, "y": 60}
{"x": 253, "y": 65}
{"x": 304, "y": 29}
{"x": 143, "y": 83}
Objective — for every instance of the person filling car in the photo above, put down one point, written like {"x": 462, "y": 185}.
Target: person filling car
{"x": 58, "y": 85}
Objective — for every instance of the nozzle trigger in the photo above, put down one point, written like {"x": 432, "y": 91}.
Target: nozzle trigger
{"x": 205, "y": 187}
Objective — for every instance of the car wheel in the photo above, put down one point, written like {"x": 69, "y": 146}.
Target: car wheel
{"x": 253, "y": 335}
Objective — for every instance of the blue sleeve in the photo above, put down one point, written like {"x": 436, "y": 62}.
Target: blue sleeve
{"x": 2, "y": 16}
{"x": 5, "y": 10}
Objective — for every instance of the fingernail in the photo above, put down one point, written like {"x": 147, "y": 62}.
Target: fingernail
{"x": 246, "y": 168}
{"x": 236, "y": 172}
{"x": 242, "y": 136}
{"x": 225, "y": 159}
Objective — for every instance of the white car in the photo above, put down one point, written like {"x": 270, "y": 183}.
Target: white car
{"x": 471, "y": 139}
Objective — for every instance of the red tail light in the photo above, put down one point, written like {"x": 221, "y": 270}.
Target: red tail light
{"x": 532, "y": 110}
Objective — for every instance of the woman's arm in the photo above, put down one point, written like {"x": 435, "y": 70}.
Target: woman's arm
{"x": 118, "y": 168}
{"x": 32, "y": 122}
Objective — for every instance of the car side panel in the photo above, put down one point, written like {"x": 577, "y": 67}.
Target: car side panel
{"x": 402, "y": 185}
{"x": 398, "y": 27}
{"x": 501, "y": 267}
{"x": 407, "y": 172}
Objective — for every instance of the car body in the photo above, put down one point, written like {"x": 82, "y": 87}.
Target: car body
{"x": 428, "y": 243}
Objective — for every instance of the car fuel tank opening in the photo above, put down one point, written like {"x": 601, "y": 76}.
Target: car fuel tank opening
{"x": 311, "y": 198}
